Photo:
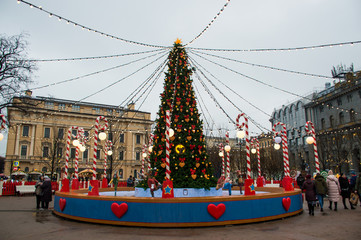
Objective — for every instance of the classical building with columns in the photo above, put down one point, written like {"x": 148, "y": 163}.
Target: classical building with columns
{"x": 38, "y": 133}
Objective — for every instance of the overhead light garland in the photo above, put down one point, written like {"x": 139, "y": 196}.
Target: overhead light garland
{"x": 60, "y": 18}
{"x": 209, "y": 24}
{"x": 282, "y": 49}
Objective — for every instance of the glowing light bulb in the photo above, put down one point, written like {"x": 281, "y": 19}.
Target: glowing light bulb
{"x": 76, "y": 142}
{"x": 102, "y": 136}
{"x": 110, "y": 152}
{"x": 277, "y": 146}
{"x": 241, "y": 134}
{"x": 82, "y": 148}
{"x": 144, "y": 155}
{"x": 150, "y": 149}
{"x": 310, "y": 140}
{"x": 227, "y": 148}
{"x": 221, "y": 154}
{"x": 278, "y": 139}
{"x": 253, "y": 150}
{"x": 171, "y": 132}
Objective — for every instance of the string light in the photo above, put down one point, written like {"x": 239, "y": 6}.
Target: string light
{"x": 281, "y": 49}
{"x": 93, "y": 30}
{"x": 209, "y": 24}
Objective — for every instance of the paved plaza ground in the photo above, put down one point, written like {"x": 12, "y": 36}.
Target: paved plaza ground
{"x": 20, "y": 220}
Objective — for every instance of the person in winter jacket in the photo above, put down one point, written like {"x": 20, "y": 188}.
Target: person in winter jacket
{"x": 39, "y": 191}
{"x": 310, "y": 188}
{"x": 353, "y": 181}
{"x": 321, "y": 189}
{"x": 345, "y": 190}
{"x": 333, "y": 188}
{"x": 47, "y": 193}
{"x": 358, "y": 187}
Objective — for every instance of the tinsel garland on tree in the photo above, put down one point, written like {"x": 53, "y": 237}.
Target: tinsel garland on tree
{"x": 189, "y": 163}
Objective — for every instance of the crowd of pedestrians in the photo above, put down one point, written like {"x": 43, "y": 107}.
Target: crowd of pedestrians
{"x": 332, "y": 188}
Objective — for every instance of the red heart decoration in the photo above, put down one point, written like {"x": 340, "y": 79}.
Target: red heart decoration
{"x": 286, "y": 202}
{"x": 62, "y": 203}
{"x": 216, "y": 211}
{"x": 119, "y": 210}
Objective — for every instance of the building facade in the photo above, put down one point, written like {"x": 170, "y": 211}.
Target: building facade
{"x": 38, "y": 133}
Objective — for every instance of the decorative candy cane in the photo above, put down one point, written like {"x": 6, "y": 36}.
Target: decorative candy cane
{"x": 150, "y": 144}
{"x": 108, "y": 146}
{"x": 167, "y": 124}
{"x": 283, "y": 133}
{"x": 3, "y": 122}
{"x": 96, "y": 129}
{"x": 227, "y": 156}
{"x": 313, "y": 134}
{"x": 221, "y": 150}
{"x": 143, "y": 158}
{"x": 255, "y": 141}
{"x": 80, "y": 132}
{"x": 245, "y": 125}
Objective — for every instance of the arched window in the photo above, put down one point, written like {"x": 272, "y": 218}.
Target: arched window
{"x": 341, "y": 118}
{"x": 352, "y": 115}
{"x": 323, "y": 123}
{"x": 332, "y": 121}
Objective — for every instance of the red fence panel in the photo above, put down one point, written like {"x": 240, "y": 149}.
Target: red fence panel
{"x": 8, "y": 189}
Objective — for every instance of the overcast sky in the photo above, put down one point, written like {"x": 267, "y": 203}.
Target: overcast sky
{"x": 260, "y": 24}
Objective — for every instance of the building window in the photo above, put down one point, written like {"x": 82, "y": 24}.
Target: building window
{"x": 352, "y": 115}
{"x": 332, "y": 122}
{"x": 75, "y": 108}
{"x": 46, "y": 132}
{"x": 321, "y": 108}
{"x": 85, "y": 154}
{"x": 121, "y": 138}
{"x": 339, "y": 101}
{"x": 137, "y": 137}
{"x": 61, "y": 106}
{"x": 96, "y": 109}
{"x": 341, "y": 118}
{"x": 98, "y": 154}
{"x": 135, "y": 173}
{"x": 59, "y": 152}
{"x": 24, "y": 151}
{"x": 109, "y": 111}
{"x": 25, "y": 131}
{"x": 329, "y": 105}
{"x": 74, "y": 132}
{"x": 86, "y": 133}
{"x": 49, "y": 105}
{"x": 60, "y": 133}
{"x": 137, "y": 155}
{"x": 120, "y": 173}
{"x": 349, "y": 98}
{"x": 110, "y": 136}
{"x": 45, "y": 151}
{"x": 26, "y": 169}
{"x": 72, "y": 152}
{"x": 121, "y": 155}
{"x": 323, "y": 123}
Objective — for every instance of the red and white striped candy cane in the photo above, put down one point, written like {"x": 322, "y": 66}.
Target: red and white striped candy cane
{"x": 254, "y": 142}
{"x": 313, "y": 134}
{"x": 80, "y": 131}
{"x": 3, "y": 122}
{"x": 221, "y": 150}
{"x": 245, "y": 125}
{"x": 143, "y": 158}
{"x": 283, "y": 133}
{"x": 228, "y": 172}
{"x": 150, "y": 144}
{"x": 167, "y": 124}
{"x": 108, "y": 146}
{"x": 96, "y": 129}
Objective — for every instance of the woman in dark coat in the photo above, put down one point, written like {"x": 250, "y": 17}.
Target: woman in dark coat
{"x": 345, "y": 190}
{"x": 39, "y": 191}
{"x": 321, "y": 189}
{"x": 310, "y": 189}
{"x": 47, "y": 193}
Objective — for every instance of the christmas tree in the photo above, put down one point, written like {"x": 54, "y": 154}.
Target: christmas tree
{"x": 189, "y": 163}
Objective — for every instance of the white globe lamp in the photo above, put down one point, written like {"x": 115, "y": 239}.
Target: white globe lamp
{"x": 221, "y": 154}
{"x": 278, "y": 139}
{"x": 227, "y": 148}
{"x": 277, "y": 146}
{"x": 150, "y": 149}
{"x": 144, "y": 155}
{"x": 76, "y": 142}
{"x": 241, "y": 134}
{"x": 82, "y": 148}
{"x": 110, "y": 152}
{"x": 102, "y": 136}
{"x": 310, "y": 140}
{"x": 253, "y": 150}
{"x": 171, "y": 132}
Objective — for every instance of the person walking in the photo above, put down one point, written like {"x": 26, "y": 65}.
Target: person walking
{"x": 130, "y": 181}
{"x": 358, "y": 187}
{"x": 353, "y": 181}
{"x": 333, "y": 188}
{"x": 39, "y": 191}
{"x": 345, "y": 190}
{"x": 321, "y": 189}
{"x": 310, "y": 189}
{"x": 300, "y": 180}
{"x": 47, "y": 193}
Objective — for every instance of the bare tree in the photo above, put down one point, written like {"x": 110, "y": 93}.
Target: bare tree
{"x": 15, "y": 69}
